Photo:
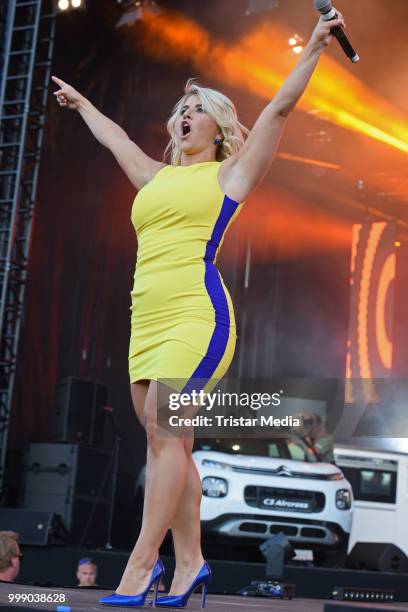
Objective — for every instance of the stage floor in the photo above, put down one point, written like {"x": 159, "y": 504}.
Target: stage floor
{"x": 85, "y": 600}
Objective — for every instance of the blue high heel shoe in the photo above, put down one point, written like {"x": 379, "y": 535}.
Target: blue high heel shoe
{"x": 180, "y": 601}
{"x": 134, "y": 601}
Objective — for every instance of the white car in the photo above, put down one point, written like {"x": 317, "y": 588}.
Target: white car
{"x": 379, "y": 478}
{"x": 255, "y": 488}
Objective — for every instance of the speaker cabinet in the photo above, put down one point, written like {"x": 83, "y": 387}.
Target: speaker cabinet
{"x": 35, "y": 527}
{"x": 378, "y": 557}
{"x": 75, "y": 482}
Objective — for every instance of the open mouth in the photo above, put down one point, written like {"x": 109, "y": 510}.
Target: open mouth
{"x": 185, "y": 128}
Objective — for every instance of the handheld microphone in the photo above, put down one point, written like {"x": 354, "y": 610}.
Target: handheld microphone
{"x": 329, "y": 13}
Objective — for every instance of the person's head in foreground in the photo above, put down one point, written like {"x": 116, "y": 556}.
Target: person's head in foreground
{"x": 86, "y": 572}
{"x": 203, "y": 120}
{"x": 10, "y": 556}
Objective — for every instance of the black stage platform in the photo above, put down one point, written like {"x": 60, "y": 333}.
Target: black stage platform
{"x": 53, "y": 565}
{"x": 85, "y": 600}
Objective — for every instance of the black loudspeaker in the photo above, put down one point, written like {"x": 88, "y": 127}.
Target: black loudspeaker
{"x": 79, "y": 412}
{"x": 76, "y": 482}
{"x": 378, "y": 557}
{"x": 35, "y": 527}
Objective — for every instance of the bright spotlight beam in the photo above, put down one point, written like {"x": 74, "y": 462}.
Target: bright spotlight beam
{"x": 307, "y": 161}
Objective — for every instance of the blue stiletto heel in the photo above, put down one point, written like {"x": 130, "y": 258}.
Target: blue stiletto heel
{"x": 204, "y": 593}
{"x": 134, "y": 601}
{"x": 180, "y": 601}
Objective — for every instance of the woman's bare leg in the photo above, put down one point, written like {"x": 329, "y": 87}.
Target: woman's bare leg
{"x": 167, "y": 470}
{"x": 139, "y": 392}
{"x": 186, "y": 528}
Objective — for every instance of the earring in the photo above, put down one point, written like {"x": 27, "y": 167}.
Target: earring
{"x": 217, "y": 141}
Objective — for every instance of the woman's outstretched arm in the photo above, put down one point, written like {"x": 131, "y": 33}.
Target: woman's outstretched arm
{"x": 139, "y": 167}
{"x": 240, "y": 173}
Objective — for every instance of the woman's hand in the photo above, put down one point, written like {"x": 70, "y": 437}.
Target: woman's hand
{"x": 67, "y": 96}
{"x": 321, "y": 36}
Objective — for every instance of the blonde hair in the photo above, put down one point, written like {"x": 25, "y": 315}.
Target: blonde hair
{"x": 221, "y": 109}
{"x": 8, "y": 548}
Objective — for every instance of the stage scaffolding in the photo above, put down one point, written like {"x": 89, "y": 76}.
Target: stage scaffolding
{"x": 27, "y": 29}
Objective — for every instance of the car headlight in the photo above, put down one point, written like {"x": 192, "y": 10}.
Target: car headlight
{"x": 335, "y": 476}
{"x": 216, "y": 464}
{"x": 343, "y": 499}
{"x": 214, "y": 487}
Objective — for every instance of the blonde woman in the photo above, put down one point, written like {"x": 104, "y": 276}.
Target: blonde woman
{"x": 183, "y": 325}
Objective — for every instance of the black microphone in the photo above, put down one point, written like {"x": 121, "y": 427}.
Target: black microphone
{"x": 329, "y": 13}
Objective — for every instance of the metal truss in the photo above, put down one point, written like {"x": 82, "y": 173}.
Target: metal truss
{"x": 27, "y": 29}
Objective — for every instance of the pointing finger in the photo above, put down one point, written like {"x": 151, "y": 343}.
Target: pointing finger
{"x": 59, "y": 82}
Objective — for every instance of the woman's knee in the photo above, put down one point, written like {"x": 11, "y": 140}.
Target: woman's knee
{"x": 159, "y": 435}
{"x": 152, "y": 437}
{"x": 158, "y": 441}
{"x": 139, "y": 392}
{"x": 188, "y": 442}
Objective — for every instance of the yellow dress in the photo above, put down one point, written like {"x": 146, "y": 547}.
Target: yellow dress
{"x": 183, "y": 327}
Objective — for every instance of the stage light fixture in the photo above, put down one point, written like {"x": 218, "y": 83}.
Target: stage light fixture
{"x": 260, "y": 6}
{"x": 296, "y": 43}
{"x": 65, "y": 6}
{"x": 277, "y": 551}
{"x": 136, "y": 10}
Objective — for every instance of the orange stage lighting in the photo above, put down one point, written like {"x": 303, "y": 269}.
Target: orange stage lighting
{"x": 373, "y": 269}
{"x": 384, "y": 344}
{"x": 282, "y": 222}
{"x": 307, "y": 161}
{"x": 260, "y": 63}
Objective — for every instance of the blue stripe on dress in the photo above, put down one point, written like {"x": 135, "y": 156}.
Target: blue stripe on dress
{"x": 220, "y": 336}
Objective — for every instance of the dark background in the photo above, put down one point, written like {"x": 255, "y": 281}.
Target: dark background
{"x": 292, "y": 317}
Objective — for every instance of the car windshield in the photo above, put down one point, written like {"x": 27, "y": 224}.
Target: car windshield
{"x": 282, "y": 448}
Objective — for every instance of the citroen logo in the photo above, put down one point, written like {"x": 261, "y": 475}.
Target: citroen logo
{"x": 283, "y": 471}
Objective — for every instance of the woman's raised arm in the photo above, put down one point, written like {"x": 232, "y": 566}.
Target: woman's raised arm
{"x": 241, "y": 173}
{"x": 139, "y": 167}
